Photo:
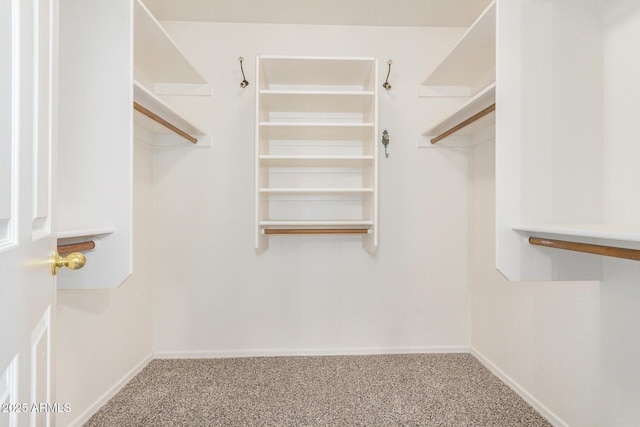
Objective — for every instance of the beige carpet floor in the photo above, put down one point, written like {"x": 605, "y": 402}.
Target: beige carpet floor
{"x": 379, "y": 390}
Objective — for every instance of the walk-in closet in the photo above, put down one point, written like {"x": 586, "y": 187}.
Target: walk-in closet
{"x": 357, "y": 195}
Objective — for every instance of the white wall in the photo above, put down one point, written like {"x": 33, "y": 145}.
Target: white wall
{"x": 215, "y": 296}
{"x": 620, "y": 292}
{"x": 104, "y": 336}
{"x": 544, "y": 337}
{"x": 572, "y": 347}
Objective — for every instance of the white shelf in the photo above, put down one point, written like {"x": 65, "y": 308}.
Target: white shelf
{"x": 316, "y": 100}
{"x": 308, "y": 92}
{"x": 316, "y": 191}
{"x": 85, "y": 232}
{"x": 483, "y": 99}
{"x": 473, "y": 56}
{"x": 316, "y": 131}
{"x": 620, "y": 232}
{"x": 318, "y": 223}
{"x": 327, "y": 72}
{"x": 316, "y": 125}
{"x": 155, "y": 54}
{"x": 315, "y": 161}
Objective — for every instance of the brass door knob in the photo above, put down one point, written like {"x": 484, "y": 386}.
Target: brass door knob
{"x": 72, "y": 261}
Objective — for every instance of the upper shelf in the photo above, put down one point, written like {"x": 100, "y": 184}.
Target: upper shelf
{"x": 319, "y": 73}
{"x": 473, "y": 57}
{"x": 156, "y": 55}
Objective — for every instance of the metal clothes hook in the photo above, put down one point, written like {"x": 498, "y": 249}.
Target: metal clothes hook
{"x": 244, "y": 83}
{"x": 385, "y": 142}
{"x": 386, "y": 84}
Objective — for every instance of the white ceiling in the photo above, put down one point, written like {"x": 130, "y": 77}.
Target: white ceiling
{"x": 414, "y": 13}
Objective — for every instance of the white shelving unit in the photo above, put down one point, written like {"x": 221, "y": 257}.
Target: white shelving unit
{"x": 467, "y": 72}
{"x": 97, "y": 123}
{"x": 316, "y": 155}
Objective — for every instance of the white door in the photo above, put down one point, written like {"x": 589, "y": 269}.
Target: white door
{"x": 27, "y": 227}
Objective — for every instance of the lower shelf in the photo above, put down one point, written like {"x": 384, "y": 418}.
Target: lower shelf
{"x": 602, "y": 231}
{"x": 83, "y": 232}
{"x": 612, "y": 240}
{"x": 604, "y": 250}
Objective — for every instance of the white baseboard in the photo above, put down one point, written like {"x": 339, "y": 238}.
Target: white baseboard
{"x": 91, "y": 410}
{"x": 220, "y": 354}
{"x": 535, "y": 403}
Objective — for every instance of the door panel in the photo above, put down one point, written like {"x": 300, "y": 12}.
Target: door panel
{"x": 40, "y": 368}
{"x": 9, "y": 393}
{"x": 42, "y": 122}
{"x": 27, "y": 227}
{"x": 6, "y": 126}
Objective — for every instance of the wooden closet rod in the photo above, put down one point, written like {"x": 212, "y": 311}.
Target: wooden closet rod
{"x": 611, "y": 251}
{"x": 163, "y": 122}
{"x": 467, "y": 122}
{"x": 316, "y": 231}
{"x": 76, "y": 247}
